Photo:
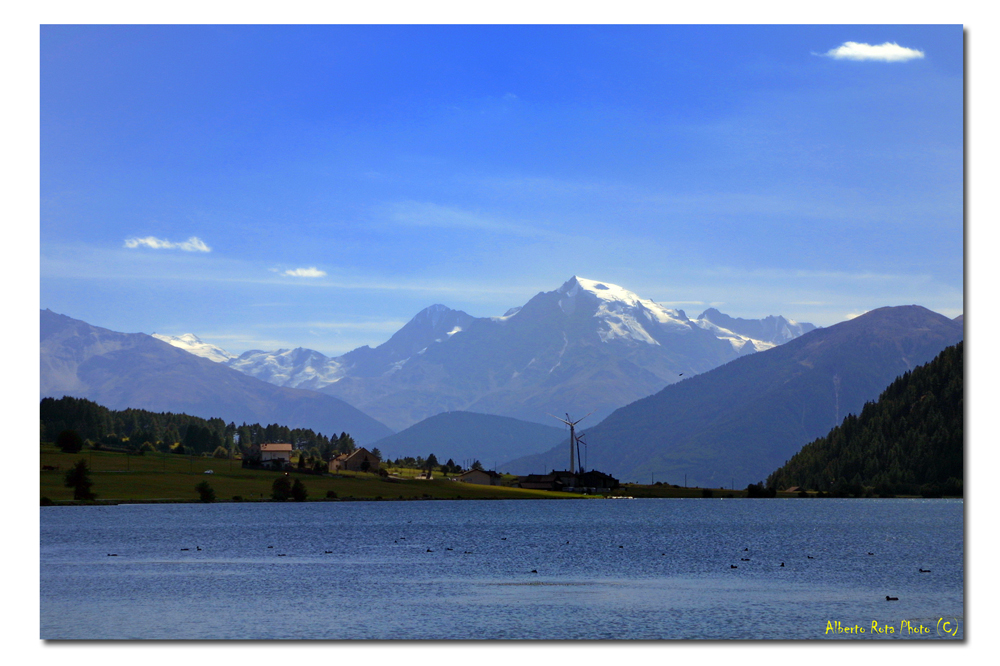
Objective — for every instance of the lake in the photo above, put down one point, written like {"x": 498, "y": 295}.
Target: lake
{"x": 516, "y": 569}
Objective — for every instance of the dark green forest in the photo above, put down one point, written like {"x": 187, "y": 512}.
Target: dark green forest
{"x": 910, "y": 441}
{"x": 137, "y": 430}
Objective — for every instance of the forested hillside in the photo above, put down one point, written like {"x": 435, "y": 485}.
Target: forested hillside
{"x": 133, "y": 429}
{"x": 909, "y": 441}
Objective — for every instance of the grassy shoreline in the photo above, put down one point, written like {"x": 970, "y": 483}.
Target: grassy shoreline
{"x": 163, "y": 478}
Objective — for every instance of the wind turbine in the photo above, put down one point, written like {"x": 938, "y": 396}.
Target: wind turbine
{"x": 572, "y": 438}
{"x": 579, "y": 458}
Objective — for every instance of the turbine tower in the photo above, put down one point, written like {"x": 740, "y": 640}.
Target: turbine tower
{"x": 572, "y": 438}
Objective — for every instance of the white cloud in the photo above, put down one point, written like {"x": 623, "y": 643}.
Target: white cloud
{"x": 311, "y": 272}
{"x": 193, "y": 244}
{"x": 887, "y": 52}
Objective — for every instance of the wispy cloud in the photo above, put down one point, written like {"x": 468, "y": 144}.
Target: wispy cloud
{"x": 311, "y": 272}
{"x": 423, "y": 214}
{"x": 193, "y": 244}
{"x": 887, "y": 52}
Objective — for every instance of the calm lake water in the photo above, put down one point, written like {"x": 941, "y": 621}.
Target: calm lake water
{"x": 622, "y": 569}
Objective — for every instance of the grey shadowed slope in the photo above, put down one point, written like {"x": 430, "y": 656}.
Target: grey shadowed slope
{"x": 465, "y": 436}
{"x": 739, "y": 422}
{"x": 122, "y": 370}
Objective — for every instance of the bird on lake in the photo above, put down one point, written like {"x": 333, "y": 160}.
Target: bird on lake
{"x": 534, "y": 571}
{"x": 449, "y": 549}
{"x": 327, "y": 552}
{"x": 112, "y": 554}
{"x": 429, "y": 550}
{"x": 871, "y": 553}
{"x": 888, "y": 598}
{"x": 744, "y": 559}
{"x": 810, "y": 557}
{"x": 185, "y": 549}
{"x": 197, "y": 547}
{"x": 923, "y": 570}
{"x": 733, "y": 566}
{"x": 782, "y": 564}
{"x": 745, "y": 549}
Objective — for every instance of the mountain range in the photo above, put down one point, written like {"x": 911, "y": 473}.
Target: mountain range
{"x": 737, "y": 423}
{"x": 586, "y": 347}
{"x": 135, "y": 370}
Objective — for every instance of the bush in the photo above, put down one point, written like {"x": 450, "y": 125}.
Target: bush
{"x": 46, "y": 501}
{"x": 758, "y": 490}
{"x": 299, "y": 493}
{"x": 331, "y": 494}
{"x": 69, "y": 441}
{"x": 281, "y": 489}
{"x": 205, "y": 492}
{"x": 237, "y": 498}
{"x": 707, "y": 492}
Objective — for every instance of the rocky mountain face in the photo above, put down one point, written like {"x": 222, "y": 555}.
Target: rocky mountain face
{"x": 735, "y": 424}
{"x": 135, "y": 370}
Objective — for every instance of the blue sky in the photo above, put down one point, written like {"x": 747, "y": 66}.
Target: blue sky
{"x": 316, "y": 186}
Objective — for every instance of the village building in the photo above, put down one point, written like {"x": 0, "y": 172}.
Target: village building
{"x": 480, "y": 477}
{"x": 590, "y": 482}
{"x": 358, "y": 460}
{"x": 276, "y": 451}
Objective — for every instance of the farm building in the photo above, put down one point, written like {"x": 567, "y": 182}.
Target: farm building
{"x": 276, "y": 451}
{"x": 358, "y": 460}
{"x": 480, "y": 477}
{"x": 592, "y": 481}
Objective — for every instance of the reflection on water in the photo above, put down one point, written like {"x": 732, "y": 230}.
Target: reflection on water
{"x": 589, "y": 569}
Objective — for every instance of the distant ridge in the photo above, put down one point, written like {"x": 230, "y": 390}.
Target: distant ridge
{"x": 737, "y": 423}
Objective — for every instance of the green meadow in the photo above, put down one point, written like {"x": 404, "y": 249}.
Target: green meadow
{"x": 164, "y": 477}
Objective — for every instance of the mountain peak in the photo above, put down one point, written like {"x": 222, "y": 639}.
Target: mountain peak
{"x": 604, "y": 290}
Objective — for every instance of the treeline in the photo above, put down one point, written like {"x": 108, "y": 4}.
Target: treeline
{"x": 908, "y": 442}
{"x": 138, "y": 430}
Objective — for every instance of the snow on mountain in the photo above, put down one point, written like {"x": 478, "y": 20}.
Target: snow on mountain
{"x": 191, "y": 343}
{"x": 296, "y": 368}
{"x": 621, "y": 313}
{"x": 748, "y": 335}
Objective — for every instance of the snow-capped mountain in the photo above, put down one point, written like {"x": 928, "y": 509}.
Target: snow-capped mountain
{"x": 191, "y": 343}
{"x": 298, "y": 368}
{"x": 759, "y": 334}
{"x": 588, "y": 346}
